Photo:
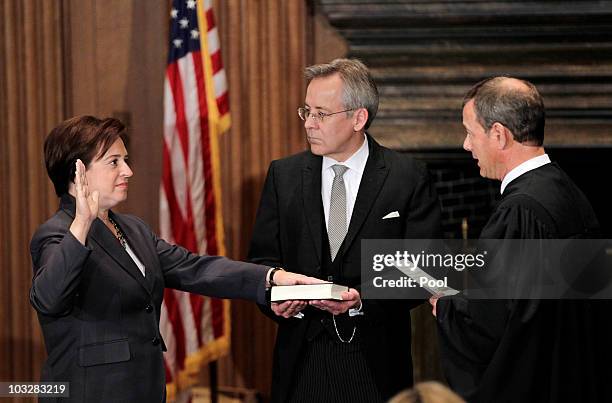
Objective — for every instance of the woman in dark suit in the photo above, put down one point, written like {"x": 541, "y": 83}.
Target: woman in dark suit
{"x": 99, "y": 276}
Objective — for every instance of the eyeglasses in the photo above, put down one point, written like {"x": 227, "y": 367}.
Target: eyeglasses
{"x": 305, "y": 113}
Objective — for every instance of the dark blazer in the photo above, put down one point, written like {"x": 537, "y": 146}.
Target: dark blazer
{"x": 288, "y": 232}
{"x": 99, "y": 314}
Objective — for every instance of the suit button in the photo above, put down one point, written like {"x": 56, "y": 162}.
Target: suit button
{"x": 155, "y": 341}
{"x": 149, "y": 308}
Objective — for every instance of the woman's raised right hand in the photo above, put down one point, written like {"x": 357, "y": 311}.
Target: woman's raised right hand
{"x": 87, "y": 206}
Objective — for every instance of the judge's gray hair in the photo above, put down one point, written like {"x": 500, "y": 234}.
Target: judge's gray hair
{"x": 518, "y": 108}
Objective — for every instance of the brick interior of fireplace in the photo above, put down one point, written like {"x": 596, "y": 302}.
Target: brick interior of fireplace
{"x": 466, "y": 197}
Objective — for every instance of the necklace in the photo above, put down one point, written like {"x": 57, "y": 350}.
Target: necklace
{"x": 120, "y": 235}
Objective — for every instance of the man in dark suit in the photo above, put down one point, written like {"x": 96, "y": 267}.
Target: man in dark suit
{"x": 315, "y": 209}
{"x": 522, "y": 350}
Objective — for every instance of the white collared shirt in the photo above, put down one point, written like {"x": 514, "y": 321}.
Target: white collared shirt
{"x": 523, "y": 168}
{"x": 352, "y": 178}
{"x": 137, "y": 261}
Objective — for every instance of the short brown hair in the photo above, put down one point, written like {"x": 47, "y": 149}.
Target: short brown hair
{"x": 359, "y": 89}
{"x": 80, "y": 137}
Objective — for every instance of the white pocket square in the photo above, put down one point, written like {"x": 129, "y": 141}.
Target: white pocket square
{"x": 393, "y": 214}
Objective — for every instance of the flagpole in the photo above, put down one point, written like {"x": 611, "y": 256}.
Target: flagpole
{"x": 214, "y": 387}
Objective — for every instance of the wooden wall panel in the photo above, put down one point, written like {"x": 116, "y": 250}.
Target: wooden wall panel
{"x": 425, "y": 55}
{"x": 116, "y": 68}
{"x": 265, "y": 52}
{"x": 31, "y": 103}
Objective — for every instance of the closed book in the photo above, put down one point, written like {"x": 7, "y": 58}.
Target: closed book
{"x": 307, "y": 291}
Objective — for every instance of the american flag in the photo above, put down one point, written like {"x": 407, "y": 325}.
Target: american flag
{"x": 196, "y": 109}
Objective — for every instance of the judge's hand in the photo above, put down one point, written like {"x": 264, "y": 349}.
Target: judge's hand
{"x": 86, "y": 204}
{"x": 433, "y": 300}
{"x": 350, "y": 299}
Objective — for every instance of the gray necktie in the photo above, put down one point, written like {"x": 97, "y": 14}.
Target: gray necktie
{"x": 336, "y": 227}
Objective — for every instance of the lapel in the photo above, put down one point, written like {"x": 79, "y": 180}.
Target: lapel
{"x": 108, "y": 243}
{"x": 141, "y": 249}
{"x": 311, "y": 193}
{"x": 374, "y": 176}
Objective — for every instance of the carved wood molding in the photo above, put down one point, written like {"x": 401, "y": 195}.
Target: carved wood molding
{"x": 425, "y": 55}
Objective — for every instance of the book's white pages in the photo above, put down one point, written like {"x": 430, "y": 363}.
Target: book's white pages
{"x": 307, "y": 291}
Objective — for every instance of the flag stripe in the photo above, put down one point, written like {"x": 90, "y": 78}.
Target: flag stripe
{"x": 220, "y": 83}
{"x": 176, "y": 323}
{"x": 206, "y": 329}
{"x": 170, "y": 341}
{"x": 175, "y": 81}
{"x": 210, "y": 22}
{"x": 213, "y": 41}
{"x": 181, "y": 228}
{"x": 193, "y": 112}
{"x": 217, "y": 307}
{"x": 196, "y": 329}
{"x": 190, "y": 333}
{"x": 197, "y": 312}
{"x": 209, "y": 201}
{"x": 217, "y": 63}
{"x": 223, "y": 104}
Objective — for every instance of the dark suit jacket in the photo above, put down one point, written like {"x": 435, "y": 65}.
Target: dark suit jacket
{"x": 288, "y": 232}
{"x": 99, "y": 314}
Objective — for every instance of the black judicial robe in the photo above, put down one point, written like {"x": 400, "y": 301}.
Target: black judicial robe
{"x": 529, "y": 350}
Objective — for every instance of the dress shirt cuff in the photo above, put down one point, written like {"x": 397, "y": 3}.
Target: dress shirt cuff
{"x": 356, "y": 311}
